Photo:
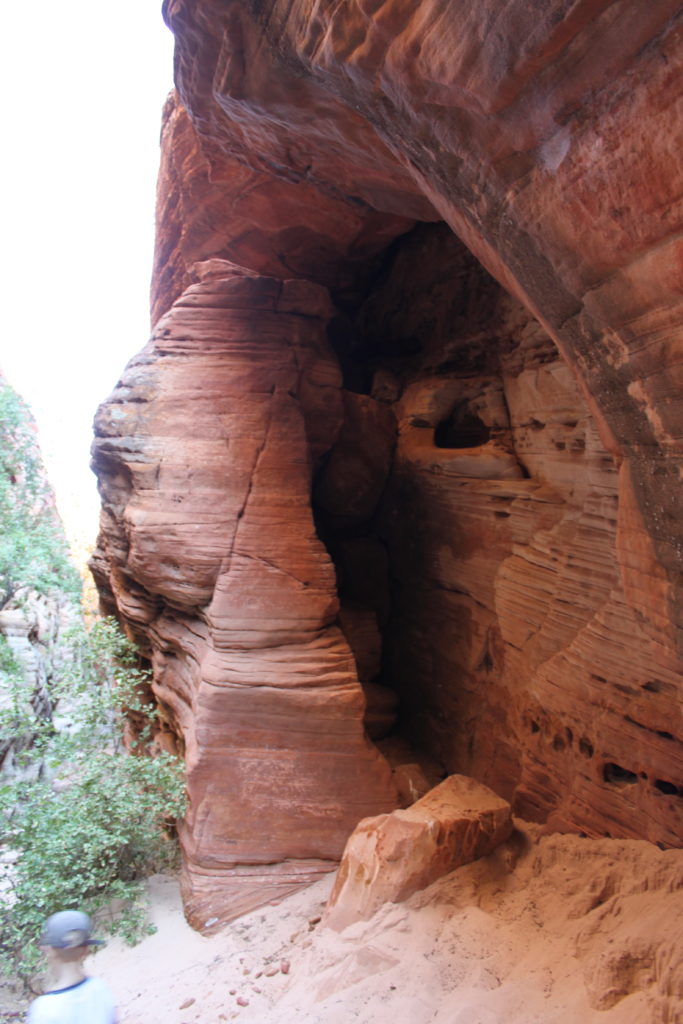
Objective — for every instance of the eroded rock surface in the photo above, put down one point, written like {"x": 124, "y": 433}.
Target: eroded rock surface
{"x": 543, "y": 136}
{"x": 389, "y": 858}
{"x": 495, "y": 474}
{"x": 204, "y": 453}
{"x": 512, "y": 642}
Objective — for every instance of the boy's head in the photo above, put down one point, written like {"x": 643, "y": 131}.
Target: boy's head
{"x": 66, "y": 935}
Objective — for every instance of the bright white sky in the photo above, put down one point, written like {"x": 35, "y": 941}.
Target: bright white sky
{"x": 83, "y": 83}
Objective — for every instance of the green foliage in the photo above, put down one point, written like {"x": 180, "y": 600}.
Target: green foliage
{"x": 94, "y": 820}
{"x": 85, "y": 819}
{"x": 33, "y": 549}
{"x": 17, "y": 714}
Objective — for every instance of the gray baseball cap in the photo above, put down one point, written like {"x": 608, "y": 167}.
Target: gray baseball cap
{"x": 68, "y": 929}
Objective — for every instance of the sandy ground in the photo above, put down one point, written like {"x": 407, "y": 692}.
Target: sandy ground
{"x": 549, "y": 929}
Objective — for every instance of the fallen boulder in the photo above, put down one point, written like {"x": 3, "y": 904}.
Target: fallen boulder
{"x": 391, "y": 856}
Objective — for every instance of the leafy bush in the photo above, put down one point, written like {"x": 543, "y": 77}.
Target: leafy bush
{"x": 93, "y": 820}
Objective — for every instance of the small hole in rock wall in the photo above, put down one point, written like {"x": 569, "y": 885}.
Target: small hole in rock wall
{"x": 666, "y": 787}
{"x": 462, "y": 429}
{"x": 617, "y": 775}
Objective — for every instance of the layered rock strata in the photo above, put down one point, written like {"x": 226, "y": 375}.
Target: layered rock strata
{"x": 209, "y": 552}
{"x": 278, "y": 226}
{"x": 511, "y": 641}
{"x": 498, "y": 485}
{"x": 543, "y": 136}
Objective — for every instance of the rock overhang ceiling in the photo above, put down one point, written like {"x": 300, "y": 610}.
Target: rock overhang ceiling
{"x": 524, "y": 588}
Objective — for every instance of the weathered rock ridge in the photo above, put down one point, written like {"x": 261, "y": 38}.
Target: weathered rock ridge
{"x": 338, "y": 407}
{"x": 204, "y": 453}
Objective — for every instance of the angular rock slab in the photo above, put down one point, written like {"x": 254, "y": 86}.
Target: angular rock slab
{"x": 390, "y": 857}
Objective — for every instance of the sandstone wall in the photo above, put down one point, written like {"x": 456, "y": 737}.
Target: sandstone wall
{"x": 498, "y": 480}
{"x": 516, "y": 653}
{"x": 547, "y": 138}
{"x": 208, "y": 552}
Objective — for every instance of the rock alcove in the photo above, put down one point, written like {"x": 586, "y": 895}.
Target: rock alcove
{"x": 350, "y": 452}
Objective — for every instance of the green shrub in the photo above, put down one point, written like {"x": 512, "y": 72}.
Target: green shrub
{"x": 33, "y": 548}
{"x": 86, "y": 819}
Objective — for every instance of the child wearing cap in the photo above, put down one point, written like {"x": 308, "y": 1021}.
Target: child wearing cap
{"x": 74, "y": 998}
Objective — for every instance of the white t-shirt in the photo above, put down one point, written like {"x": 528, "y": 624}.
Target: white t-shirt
{"x": 87, "y": 1002}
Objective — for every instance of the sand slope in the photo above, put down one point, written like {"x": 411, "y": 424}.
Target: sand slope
{"x": 548, "y": 929}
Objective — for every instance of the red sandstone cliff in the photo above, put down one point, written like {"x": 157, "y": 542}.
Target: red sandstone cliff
{"x": 495, "y": 476}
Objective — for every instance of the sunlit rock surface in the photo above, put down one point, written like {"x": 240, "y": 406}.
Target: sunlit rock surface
{"x": 494, "y": 474}
{"x": 390, "y": 857}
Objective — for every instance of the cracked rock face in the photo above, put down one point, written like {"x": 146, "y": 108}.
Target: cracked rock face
{"x": 390, "y": 857}
{"x": 204, "y": 453}
{"x": 340, "y": 408}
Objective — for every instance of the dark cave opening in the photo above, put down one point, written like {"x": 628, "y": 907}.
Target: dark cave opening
{"x": 432, "y": 313}
{"x": 446, "y": 377}
{"x": 618, "y": 776}
{"x": 461, "y": 429}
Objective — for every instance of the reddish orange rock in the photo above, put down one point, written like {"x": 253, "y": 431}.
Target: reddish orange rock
{"x": 211, "y": 203}
{"x": 389, "y": 858}
{"x": 204, "y": 453}
{"x": 543, "y": 136}
{"x": 519, "y": 551}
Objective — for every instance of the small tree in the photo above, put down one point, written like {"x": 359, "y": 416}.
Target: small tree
{"x": 96, "y": 819}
